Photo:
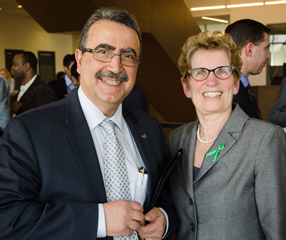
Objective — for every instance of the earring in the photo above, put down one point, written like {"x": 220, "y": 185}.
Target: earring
{"x": 235, "y": 92}
{"x": 188, "y": 95}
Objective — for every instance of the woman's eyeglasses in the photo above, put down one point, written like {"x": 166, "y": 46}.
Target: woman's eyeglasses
{"x": 200, "y": 74}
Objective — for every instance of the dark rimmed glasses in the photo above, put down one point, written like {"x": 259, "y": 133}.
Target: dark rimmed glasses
{"x": 222, "y": 72}
{"x": 102, "y": 55}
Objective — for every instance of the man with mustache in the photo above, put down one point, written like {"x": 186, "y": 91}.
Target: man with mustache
{"x": 252, "y": 38}
{"x": 59, "y": 179}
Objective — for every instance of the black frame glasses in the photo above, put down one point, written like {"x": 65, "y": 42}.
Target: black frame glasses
{"x": 102, "y": 55}
{"x": 201, "y": 74}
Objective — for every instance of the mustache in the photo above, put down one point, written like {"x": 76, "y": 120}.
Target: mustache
{"x": 122, "y": 75}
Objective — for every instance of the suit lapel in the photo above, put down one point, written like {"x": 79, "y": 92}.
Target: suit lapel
{"x": 141, "y": 137}
{"x": 30, "y": 89}
{"x": 81, "y": 140}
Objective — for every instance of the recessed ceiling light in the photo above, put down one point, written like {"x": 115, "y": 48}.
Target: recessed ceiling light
{"x": 245, "y": 5}
{"x": 207, "y": 8}
{"x": 19, "y": 6}
{"x": 274, "y": 2}
{"x": 215, "y": 19}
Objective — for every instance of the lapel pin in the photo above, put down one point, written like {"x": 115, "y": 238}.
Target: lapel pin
{"x": 215, "y": 152}
{"x": 144, "y": 135}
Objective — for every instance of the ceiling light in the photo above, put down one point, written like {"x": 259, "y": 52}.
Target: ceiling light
{"x": 207, "y": 8}
{"x": 274, "y": 2}
{"x": 245, "y": 5}
{"x": 215, "y": 19}
{"x": 19, "y": 6}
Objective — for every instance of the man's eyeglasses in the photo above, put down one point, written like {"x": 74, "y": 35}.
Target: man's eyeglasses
{"x": 102, "y": 55}
{"x": 222, "y": 72}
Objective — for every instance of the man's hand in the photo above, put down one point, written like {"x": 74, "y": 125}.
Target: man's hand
{"x": 15, "y": 106}
{"x": 156, "y": 227}
{"x": 122, "y": 216}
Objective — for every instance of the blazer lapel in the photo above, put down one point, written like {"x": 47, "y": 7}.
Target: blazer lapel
{"x": 82, "y": 143}
{"x": 187, "y": 164}
{"x": 208, "y": 162}
{"x": 228, "y": 137}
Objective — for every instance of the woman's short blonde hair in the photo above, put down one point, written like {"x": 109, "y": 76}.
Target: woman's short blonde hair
{"x": 7, "y": 74}
{"x": 210, "y": 40}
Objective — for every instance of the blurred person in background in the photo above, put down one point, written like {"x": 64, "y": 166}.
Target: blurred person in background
{"x": 75, "y": 77}
{"x": 6, "y": 74}
{"x": 33, "y": 91}
{"x": 64, "y": 85}
{"x": 252, "y": 38}
{"x": 5, "y": 113}
{"x": 277, "y": 114}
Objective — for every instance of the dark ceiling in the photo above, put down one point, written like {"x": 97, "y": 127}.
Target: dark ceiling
{"x": 59, "y": 16}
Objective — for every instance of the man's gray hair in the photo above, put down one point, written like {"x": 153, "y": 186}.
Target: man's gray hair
{"x": 111, "y": 14}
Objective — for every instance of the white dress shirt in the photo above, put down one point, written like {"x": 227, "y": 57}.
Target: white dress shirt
{"x": 133, "y": 159}
{"x": 132, "y": 156}
{"x": 24, "y": 88}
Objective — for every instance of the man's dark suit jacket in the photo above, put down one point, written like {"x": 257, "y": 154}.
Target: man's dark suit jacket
{"x": 59, "y": 86}
{"x": 38, "y": 94}
{"x": 245, "y": 102}
{"x": 136, "y": 98}
{"x": 277, "y": 114}
{"x": 51, "y": 182}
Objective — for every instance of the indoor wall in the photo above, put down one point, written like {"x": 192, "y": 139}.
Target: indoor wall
{"x": 24, "y": 33}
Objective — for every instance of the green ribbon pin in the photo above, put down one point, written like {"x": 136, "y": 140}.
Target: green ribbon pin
{"x": 215, "y": 152}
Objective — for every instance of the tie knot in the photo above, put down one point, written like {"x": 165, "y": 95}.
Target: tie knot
{"x": 108, "y": 126}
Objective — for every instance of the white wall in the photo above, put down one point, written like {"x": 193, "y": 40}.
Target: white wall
{"x": 21, "y": 32}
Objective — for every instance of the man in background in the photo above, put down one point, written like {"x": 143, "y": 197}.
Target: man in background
{"x": 75, "y": 77}
{"x": 64, "y": 85}
{"x": 33, "y": 91}
{"x": 253, "y": 39}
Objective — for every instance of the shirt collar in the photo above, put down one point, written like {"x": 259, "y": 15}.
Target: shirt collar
{"x": 94, "y": 116}
{"x": 28, "y": 84}
{"x": 244, "y": 80}
{"x": 68, "y": 81}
